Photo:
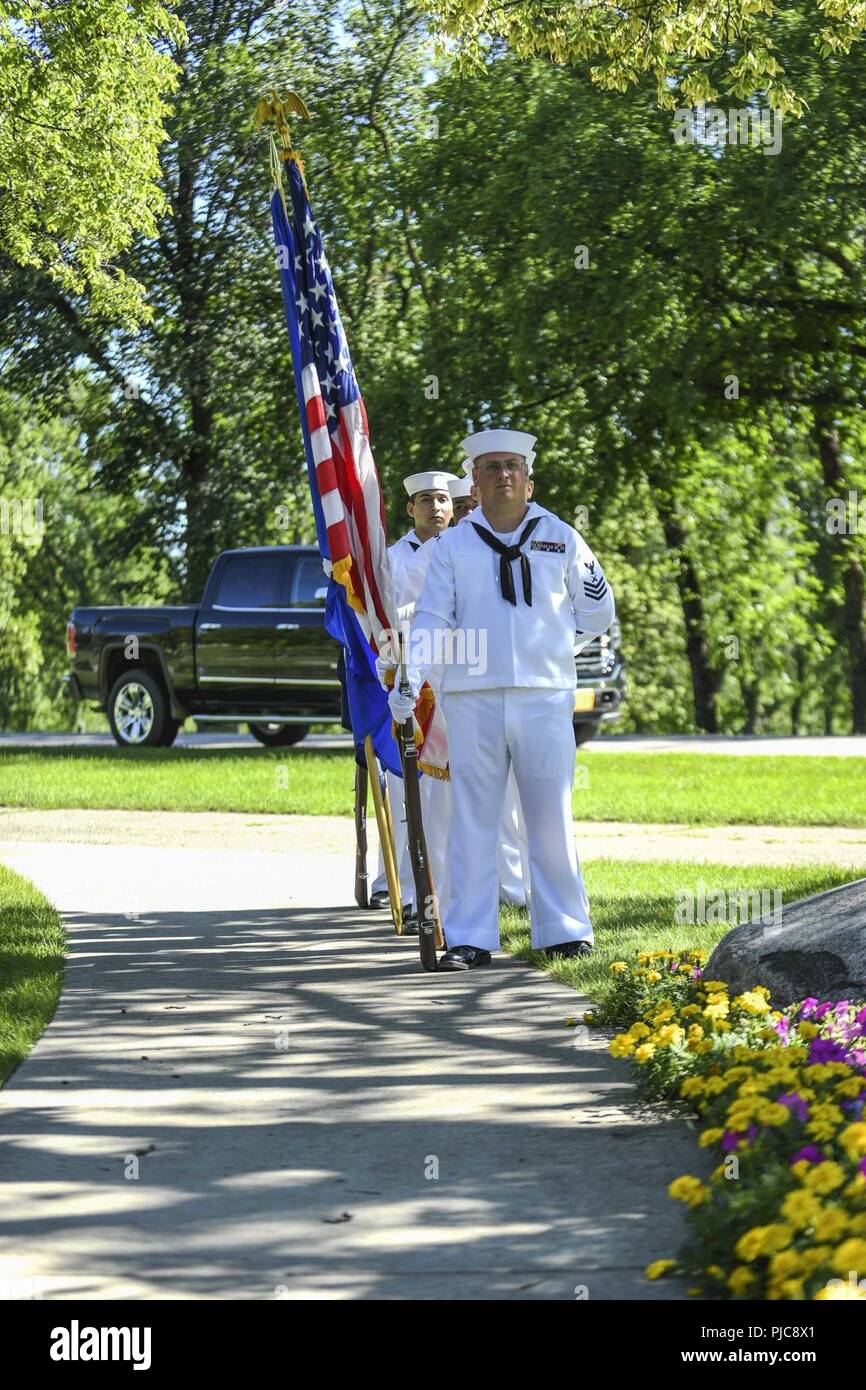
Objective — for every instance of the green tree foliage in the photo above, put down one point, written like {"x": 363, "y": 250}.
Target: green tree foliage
{"x": 515, "y": 247}
{"x": 691, "y": 50}
{"x": 83, "y": 91}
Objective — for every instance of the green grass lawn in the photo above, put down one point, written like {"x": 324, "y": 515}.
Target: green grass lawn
{"x": 32, "y": 947}
{"x": 633, "y": 908}
{"x": 692, "y": 788}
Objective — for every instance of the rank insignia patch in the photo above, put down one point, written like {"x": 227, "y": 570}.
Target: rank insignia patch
{"x": 556, "y": 547}
{"x": 594, "y": 582}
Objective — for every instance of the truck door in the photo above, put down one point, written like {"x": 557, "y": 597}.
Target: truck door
{"x": 235, "y": 632}
{"x": 305, "y": 666}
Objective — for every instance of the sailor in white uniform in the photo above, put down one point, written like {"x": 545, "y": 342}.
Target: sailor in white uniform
{"x": 513, "y": 849}
{"x": 431, "y": 510}
{"x": 527, "y": 579}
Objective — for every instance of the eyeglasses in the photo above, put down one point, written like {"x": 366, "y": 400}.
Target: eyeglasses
{"x": 509, "y": 465}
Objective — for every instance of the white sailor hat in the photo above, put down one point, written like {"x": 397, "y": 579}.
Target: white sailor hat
{"x": 500, "y": 442}
{"x": 427, "y": 482}
{"x": 462, "y": 487}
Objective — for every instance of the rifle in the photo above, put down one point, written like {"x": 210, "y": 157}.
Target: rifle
{"x": 361, "y": 894}
{"x": 430, "y": 937}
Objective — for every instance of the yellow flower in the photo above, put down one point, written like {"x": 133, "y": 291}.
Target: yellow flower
{"x": 692, "y": 1086}
{"x": 710, "y": 1136}
{"x": 816, "y": 1255}
{"x": 715, "y": 1271}
{"x": 659, "y": 1268}
{"x": 714, "y": 986}
{"x": 671, "y": 1033}
{"x": 722, "y": 1026}
{"x": 824, "y": 1121}
{"x": 853, "y": 1139}
{"x": 825, "y": 1178}
{"x": 773, "y": 1114}
{"x": 621, "y": 1046}
{"x": 689, "y": 1190}
{"x": 763, "y": 1240}
{"x": 589, "y": 1018}
{"x": 752, "y": 1002}
{"x": 808, "y": 1030}
{"x": 801, "y": 1209}
{"x": 831, "y": 1223}
{"x": 716, "y": 1010}
{"x": 850, "y": 1256}
{"x": 740, "y": 1279}
{"x": 786, "y": 1263}
{"x": 652, "y": 976}
{"x": 617, "y": 967}
{"x": 644, "y": 1052}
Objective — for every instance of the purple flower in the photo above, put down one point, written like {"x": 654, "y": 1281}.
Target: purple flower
{"x": 861, "y": 1166}
{"x": 821, "y": 1010}
{"x": 825, "y": 1050}
{"x": 810, "y": 1153}
{"x": 732, "y": 1138}
{"x": 796, "y": 1105}
{"x": 860, "y": 1018}
{"x": 781, "y": 1026}
{"x": 807, "y": 1006}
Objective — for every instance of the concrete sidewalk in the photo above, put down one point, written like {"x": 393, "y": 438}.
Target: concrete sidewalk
{"x": 334, "y": 837}
{"x": 251, "y": 1090}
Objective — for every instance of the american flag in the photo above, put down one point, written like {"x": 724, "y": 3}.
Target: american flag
{"x": 347, "y": 496}
{"x": 345, "y": 477}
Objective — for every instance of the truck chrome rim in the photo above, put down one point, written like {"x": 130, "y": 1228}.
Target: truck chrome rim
{"x": 133, "y": 713}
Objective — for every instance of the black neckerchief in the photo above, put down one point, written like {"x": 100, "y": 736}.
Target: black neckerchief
{"x": 506, "y": 554}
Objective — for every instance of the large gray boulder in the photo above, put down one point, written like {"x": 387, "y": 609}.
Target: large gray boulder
{"x": 815, "y": 947}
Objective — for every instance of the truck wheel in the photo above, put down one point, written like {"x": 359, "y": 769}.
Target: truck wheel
{"x": 585, "y": 730}
{"x": 138, "y": 711}
{"x": 279, "y": 735}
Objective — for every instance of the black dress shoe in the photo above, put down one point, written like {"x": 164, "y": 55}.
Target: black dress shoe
{"x": 463, "y": 958}
{"x": 379, "y": 900}
{"x": 567, "y": 950}
{"x": 410, "y": 923}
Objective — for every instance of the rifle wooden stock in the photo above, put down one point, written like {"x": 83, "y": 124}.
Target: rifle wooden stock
{"x": 392, "y": 872}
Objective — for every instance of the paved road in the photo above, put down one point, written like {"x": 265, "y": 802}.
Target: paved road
{"x": 251, "y": 1090}
{"x": 836, "y": 746}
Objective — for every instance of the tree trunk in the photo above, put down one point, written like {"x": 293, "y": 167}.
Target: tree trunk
{"x": 705, "y": 681}
{"x": 853, "y": 613}
{"x": 751, "y": 700}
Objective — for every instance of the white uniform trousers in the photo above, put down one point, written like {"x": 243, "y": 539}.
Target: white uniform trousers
{"x": 529, "y": 729}
{"x": 513, "y": 851}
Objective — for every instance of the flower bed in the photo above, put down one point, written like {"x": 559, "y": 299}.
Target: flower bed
{"x": 780, "y": 1096}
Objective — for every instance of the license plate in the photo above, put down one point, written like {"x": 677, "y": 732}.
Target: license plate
{"x": 583, "y": 700}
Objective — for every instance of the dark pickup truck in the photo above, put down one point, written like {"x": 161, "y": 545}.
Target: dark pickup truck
{"x": 255, "y": 651}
